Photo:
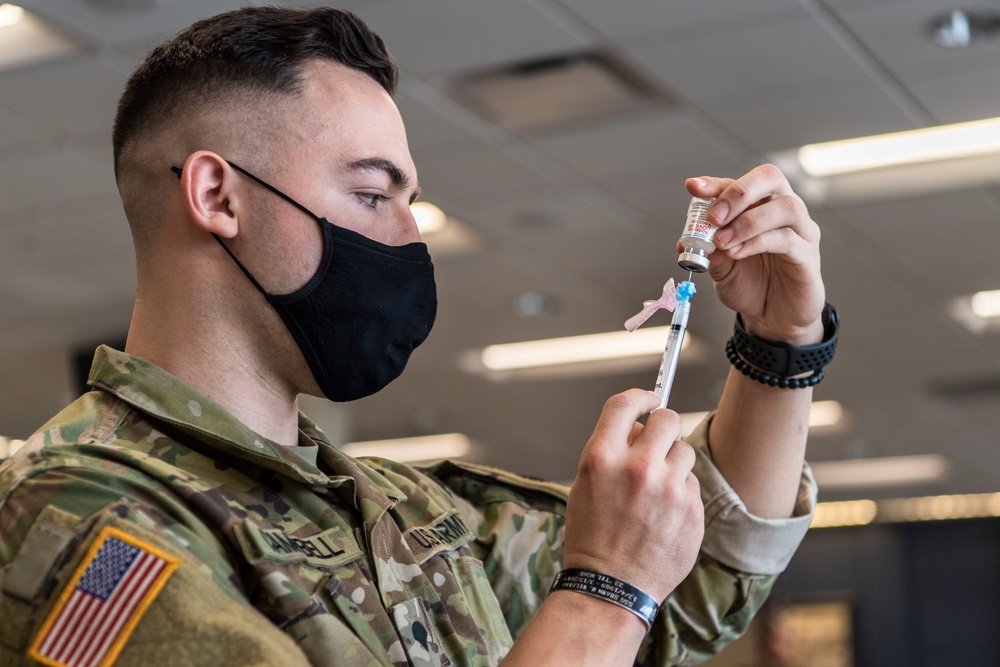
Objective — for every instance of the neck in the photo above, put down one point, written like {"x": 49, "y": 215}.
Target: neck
{"x": 216, "y": 359}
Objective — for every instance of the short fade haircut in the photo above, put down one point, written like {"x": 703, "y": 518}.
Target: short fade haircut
{"x": 257, "y": 51}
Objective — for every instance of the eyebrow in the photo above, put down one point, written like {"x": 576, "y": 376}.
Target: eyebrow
{"x": 396, "y": 175}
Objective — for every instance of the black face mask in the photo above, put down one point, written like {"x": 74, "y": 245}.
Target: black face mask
{"x": 364, "y": 311}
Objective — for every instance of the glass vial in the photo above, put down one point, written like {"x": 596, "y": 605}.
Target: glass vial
{"x": 697, "y": 237}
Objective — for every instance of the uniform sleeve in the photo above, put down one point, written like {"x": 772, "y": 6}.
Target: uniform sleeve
{"x": 82, "y": 550}
{"x": 737, "y": 538}
{"x": 520, "y": 525}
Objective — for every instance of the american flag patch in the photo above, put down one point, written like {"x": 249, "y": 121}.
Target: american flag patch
{"x": 103, "y": 602}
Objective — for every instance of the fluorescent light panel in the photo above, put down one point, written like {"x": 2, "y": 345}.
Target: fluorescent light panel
{"x": 25, "y": 39}
{"x": 8, "y": 446}
{"x": 10, "y": 14}
{"x": 986, "y": 304}
{"x": 979, "y": 312}
{"x": 429, "y": 218}
{"x": 576, "y": 349}
{"x": 944, "y": 142}
{"x": 880, "y": 472}
{"x": 897, "y": 510}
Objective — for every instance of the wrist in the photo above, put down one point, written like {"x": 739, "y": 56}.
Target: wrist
{"x": 597, "y": 613}
{"x": 609, "y": 589}
{"x": 809, "y": 334}
{"x": 781, "y": 363}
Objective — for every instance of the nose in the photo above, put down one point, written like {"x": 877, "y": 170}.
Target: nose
{"x": 405, "y": 227}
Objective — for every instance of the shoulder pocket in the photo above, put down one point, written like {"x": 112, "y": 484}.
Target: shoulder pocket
{"x": 32, "y": 574}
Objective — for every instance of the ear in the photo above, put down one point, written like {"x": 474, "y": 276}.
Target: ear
{"x": 212, "y": 193}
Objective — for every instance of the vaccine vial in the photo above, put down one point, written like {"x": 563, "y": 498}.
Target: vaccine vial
{"x": 697, "y": 237}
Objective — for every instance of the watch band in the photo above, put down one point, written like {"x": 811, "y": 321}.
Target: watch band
{"x": 783, "y": 360}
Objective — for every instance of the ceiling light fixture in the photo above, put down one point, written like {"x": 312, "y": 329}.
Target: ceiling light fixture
{"x": 575, "y": 349}
{"x": 979, "y": 312}
{"x": 26, "y": 40}
{"x": 10, "y": 14}
{"x": 575, "y": 356}
{"x": 960, "y": 28}
{"x": 8, "y": 446}
{"x": 429, "y": 218}
{"x": 880, "y": 472}
{"x": 986, "y": 304}
{"x": 899, "y": 510}
{"x": 844, "y": 513}
{"x": 943, "y": 142}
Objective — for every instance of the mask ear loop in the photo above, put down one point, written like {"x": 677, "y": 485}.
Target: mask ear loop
{"x": 274, "y": 190}
{"x": 229, "y": 252}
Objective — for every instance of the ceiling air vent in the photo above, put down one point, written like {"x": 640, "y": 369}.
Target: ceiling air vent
{"x": 553, "y": 91}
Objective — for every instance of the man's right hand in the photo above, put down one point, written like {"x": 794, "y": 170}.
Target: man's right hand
{"x": 635, "y": 510}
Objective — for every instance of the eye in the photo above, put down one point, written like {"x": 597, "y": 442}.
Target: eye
{"x": 371, "y": 199}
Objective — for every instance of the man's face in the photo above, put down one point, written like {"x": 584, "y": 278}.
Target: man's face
{"x": 344, "y": 157}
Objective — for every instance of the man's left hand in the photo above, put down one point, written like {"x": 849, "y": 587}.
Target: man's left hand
{"x": 767, "y": 264}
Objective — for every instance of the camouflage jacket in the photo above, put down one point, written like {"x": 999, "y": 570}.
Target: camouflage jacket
{"x": 267, "y": 555}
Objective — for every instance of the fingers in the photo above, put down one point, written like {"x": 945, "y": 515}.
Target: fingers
{"x": 662, "y": 428}
{"x": 757, "y": 213}
{"x": 615, "y": 426}
{"x": 681, "y": 458}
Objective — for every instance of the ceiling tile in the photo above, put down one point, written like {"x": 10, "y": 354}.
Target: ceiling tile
{"x": 668, "y": 18}
{"x": 959, "y": 96}
{"x": 746, "y": 61}
{"x": 897, "y": 35}
{"x": 811, "y": 113}
{"x": 948, "y": 240}
{"x": 459, "y": 35}
{"x": 108, "y": 25}
{"x": 633, "y": 145}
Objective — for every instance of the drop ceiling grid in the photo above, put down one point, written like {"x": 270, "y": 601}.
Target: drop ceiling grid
{"x": 810, "y": 113}
{"x": 654, "y": 17}
{"x": 110, "y": 26}
{"x": 962, "y": 96}
{"x": 748, "y": 62}
{"x": 898, "y": 36}
{"x": 948, "y": 241}
{"x": 442, "y": 36}
{"x": 632, "y": 145}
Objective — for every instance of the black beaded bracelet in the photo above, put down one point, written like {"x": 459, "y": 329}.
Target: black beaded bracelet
{"x": 780, "y": 364}
{"x": 610, "y": 589}
{"x": 767, "y": 378}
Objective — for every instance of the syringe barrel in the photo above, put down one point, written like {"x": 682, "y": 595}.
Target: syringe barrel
{"x": 672, "y": 351}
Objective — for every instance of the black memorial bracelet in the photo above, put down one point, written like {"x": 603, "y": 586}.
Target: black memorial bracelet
{"x": 780, "y": 364}
{"x": 608, "y": 588}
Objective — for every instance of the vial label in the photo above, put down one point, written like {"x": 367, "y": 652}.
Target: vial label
{"x": 697, "y": 224}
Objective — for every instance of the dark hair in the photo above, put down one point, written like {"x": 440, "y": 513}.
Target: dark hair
{"x": 254, "y": 50}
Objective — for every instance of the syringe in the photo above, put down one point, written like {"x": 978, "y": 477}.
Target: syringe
{"x": 675, "y": 340}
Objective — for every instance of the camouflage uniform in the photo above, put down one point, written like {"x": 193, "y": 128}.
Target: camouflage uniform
{"x": 304, "y": 555}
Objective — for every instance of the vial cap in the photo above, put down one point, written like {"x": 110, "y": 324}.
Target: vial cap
{"x": 690, "y": 261}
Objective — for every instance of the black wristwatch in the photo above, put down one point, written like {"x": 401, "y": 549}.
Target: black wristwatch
{"x": 781, "y": 364}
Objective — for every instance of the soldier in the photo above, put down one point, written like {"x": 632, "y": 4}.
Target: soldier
{"x": 184, "y": 513}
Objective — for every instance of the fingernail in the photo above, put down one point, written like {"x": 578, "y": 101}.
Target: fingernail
{"x": 701, "y": 182}
{"x": 719, "y": 210}
{"x": 735, "y": 249}
{"x": 723, "y": 237}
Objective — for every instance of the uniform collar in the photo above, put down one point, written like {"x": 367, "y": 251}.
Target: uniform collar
{"x": 156, "y": 392}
